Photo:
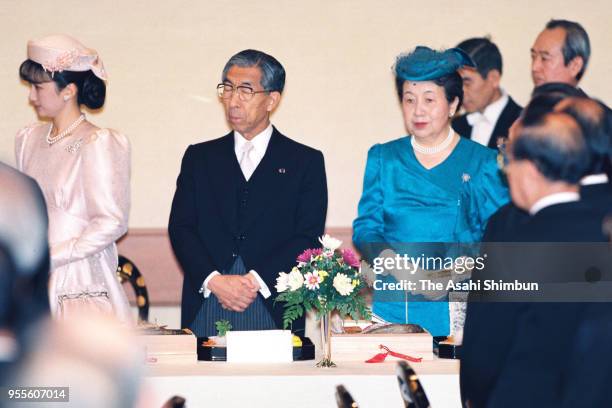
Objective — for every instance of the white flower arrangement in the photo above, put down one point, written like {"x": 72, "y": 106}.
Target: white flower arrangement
{"x": 325, "y": 279}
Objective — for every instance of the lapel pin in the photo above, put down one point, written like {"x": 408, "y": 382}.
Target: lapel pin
{"x": 282, "y": 170}
{"x": 465, "y": 177}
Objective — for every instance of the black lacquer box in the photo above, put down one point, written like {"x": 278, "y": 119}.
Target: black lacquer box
{"x": 445, "y": 349}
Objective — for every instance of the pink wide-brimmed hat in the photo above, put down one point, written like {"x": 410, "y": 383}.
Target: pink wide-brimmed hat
{"x": 61, "y": 52}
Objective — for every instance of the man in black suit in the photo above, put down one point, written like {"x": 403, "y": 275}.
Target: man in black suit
{"x": 590, "y": 373}
{"x": 246, "y": 205}
{"x": 544, "y": 98}
{"x": 514, "y": 353}
{"x": 490, "y": 111}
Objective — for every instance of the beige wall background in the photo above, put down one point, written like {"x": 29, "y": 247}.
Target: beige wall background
{"x": 165, "y": 58}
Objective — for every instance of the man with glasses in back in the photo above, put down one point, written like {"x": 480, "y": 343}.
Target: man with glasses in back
{"x": 524, "y": 351}
{"x": 246, "y": 205}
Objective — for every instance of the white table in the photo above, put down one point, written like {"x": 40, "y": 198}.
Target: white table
{"x": 299, "y": 384}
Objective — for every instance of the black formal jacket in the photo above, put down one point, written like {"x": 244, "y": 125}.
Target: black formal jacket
{"x": 504, "y": 223}
{"x": 599, "y": 196}
{"x": 510, "y": 113}
{"x": 590, "y": 373}
{"x": 516, "y": 354}
{"x": 268, "y": 221}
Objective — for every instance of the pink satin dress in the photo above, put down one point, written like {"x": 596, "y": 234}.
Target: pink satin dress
{"x": 86, "y": 185}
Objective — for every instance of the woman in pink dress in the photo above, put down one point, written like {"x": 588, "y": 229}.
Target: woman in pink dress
{"x": 83, "y": 171}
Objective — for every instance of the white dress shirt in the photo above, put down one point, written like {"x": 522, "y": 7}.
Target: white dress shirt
{"x": 601, "y": 178}
{"x": 484, "y": 123}
{"x": 552, "y": 199}
{"x": 259, "y": 142}
{"x": 260, "y": 145}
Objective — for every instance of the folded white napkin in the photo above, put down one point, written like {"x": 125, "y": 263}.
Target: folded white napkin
{"x": 259, "y": 346}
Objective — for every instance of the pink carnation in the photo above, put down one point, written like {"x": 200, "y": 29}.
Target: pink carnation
{"x": 308, "y": 254}
{"x": 350, "y": 258}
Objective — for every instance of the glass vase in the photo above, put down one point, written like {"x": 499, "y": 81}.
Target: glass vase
{"x": 326, "y": 361}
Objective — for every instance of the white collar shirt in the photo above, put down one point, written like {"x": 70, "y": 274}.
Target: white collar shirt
{"x": 260, "y": 144}
{"x": 592, "y": 179}
{"x": 552, "y": 199}
{"x": 484, "y": 123}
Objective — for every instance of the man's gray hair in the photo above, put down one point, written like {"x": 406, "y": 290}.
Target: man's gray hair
{"x": 576, "y": 42}
{"x": 272, "y": 72}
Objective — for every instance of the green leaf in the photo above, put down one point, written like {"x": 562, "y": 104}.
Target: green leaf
{"x": 223, "y": 326}
{"x": 292, "y": 312}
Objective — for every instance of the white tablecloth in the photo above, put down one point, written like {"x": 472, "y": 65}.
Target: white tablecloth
{"x": 299, "y": 384}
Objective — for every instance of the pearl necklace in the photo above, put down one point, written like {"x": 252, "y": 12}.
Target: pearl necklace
{"x": 51, "y": 140}
{"x": 434, "y": 149}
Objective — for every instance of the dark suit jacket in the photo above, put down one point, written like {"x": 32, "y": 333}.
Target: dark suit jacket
{"x": 515, "y": 354}
{"x": 510, "y": 113}
{"x": 589, "y": 373}
{"x": 285, "y": 204}
{"x": 599, "y": 196}
{"x": 504, "y": 223}
{"x": 589, "y": 369}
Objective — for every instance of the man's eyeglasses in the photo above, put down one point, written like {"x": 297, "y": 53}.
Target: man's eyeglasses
{"x": 245, "y": 93}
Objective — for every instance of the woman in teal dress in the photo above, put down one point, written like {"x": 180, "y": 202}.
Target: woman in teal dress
{"x": 432, "y": 186}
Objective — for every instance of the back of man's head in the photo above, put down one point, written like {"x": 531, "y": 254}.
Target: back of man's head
{"x": 594, "y": 119}
{"x": 484, "y": 53}
{"x": 545, "y": 97}
{"x": 560, "y": 89}
{"x": 556, "y": 146}
{"x": 23, "y": 218}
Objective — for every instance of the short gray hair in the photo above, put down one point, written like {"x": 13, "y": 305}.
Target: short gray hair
{"x": 272, "y": 72}
{"x": 576, "y": 42}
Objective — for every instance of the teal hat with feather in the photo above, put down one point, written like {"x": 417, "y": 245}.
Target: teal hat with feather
{"x": 425, "y": 64}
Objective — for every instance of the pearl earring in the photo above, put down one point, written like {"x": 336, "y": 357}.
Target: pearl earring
{"x": 66, "y": 98}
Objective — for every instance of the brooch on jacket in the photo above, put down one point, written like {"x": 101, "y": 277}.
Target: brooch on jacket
{"x": 74, "y": 147}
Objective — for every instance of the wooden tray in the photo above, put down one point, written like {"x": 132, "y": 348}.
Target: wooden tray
{"x": 361, "y": 347}
{"x": 168, "y": 344}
